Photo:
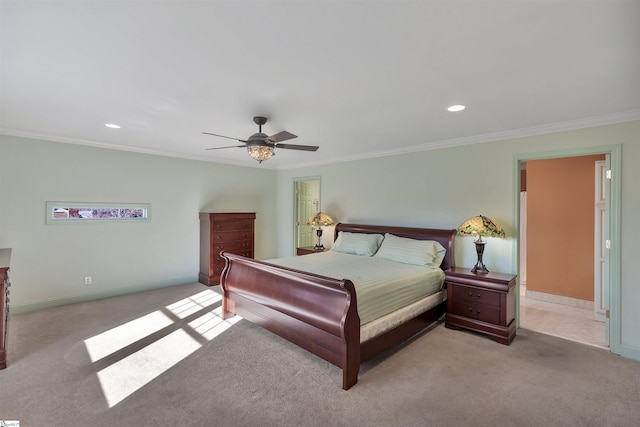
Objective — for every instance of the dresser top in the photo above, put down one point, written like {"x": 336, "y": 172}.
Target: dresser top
{"x": 491, "y": 280}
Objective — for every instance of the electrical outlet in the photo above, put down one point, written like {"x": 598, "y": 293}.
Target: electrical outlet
{"x": 87, "y": 280}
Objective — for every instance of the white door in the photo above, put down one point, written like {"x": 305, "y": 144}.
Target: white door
{"x": 306, "y": 208}
{"x": 601, "y": 271}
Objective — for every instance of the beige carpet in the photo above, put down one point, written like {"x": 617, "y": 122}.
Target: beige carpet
{"x": 165, "y": 358}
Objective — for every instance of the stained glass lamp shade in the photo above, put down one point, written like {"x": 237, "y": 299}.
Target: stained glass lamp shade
{"x": 260, "y": 152}
{"x": 319, "y": 220}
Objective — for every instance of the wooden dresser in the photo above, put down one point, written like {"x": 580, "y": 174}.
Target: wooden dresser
{"x": 232, "y": 232}
{"x": 482, "y": 303}
{"x": 5, "y": 255}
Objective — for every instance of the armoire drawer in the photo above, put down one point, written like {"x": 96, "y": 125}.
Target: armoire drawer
{"x": 232, "y": 225}
{"x": 231, "y": 236}
{"x": 231, "y": 246}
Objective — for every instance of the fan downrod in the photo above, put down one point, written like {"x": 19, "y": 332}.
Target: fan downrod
{"x": 259, "y": 120}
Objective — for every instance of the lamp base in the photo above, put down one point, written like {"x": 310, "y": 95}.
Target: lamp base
{"x": 319, "y": 246}
{"x": 480, "y": 267}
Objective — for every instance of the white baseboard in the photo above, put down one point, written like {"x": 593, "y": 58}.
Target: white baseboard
{"x": 17, "y": 308}
{"x": 559, "y": 299}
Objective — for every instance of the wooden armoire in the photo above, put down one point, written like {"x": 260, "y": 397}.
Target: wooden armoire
{"x": 227, "y": 231}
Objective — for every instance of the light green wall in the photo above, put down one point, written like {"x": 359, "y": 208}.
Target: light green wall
{"x": 436, "y": 188}
{"x": 49, "y": 262}
{"x": 441, "y": 188}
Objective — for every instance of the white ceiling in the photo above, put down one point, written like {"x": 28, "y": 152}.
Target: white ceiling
{"x": 357, "y": 78}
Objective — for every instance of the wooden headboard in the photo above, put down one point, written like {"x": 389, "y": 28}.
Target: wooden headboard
{"x": 444, "y": 237}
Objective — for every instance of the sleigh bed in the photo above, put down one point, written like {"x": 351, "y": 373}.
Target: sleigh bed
{"x": 320, "y": 313}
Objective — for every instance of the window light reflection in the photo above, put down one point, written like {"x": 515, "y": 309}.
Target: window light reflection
{"x": 211, "y": 324}
{"x": 194, "y": 303}
{"x": 108, "y": 342}
{"x": 128, "y": 375}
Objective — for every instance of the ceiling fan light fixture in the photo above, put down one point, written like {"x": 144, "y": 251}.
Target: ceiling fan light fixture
{"x": 260, "y": 152}
{"x": 260, "y": 146}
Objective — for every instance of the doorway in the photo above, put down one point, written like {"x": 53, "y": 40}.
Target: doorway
{"x": 306, "y": 194}
{"x": 552, "y": 314}
{"x": 556, "y": 285}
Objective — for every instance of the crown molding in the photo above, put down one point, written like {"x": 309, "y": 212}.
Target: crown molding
{"x": 140, "y": 150}
{"x": 606, "y": 119}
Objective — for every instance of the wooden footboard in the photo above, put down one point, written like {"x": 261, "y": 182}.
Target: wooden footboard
{"x": 317, "y": 313}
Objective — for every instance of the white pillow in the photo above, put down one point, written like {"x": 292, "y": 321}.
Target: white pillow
{"x": 357, "y": 243}
{"x": 411, "y": 251}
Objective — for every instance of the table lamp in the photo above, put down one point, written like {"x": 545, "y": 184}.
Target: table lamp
{"x": 480, "y": 226}
{"x": 319, "y": 220}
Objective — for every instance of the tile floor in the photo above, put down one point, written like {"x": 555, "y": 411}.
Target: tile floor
{"x": 571, "y": 323}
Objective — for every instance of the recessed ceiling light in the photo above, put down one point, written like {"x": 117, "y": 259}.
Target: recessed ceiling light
{"x": 455, "y": 108}
{"x": 112, "y": 126}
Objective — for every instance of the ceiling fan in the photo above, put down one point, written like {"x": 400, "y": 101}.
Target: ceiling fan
{"x": 260, "y": 146}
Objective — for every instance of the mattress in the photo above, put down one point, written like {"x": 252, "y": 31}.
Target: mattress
{"x": 382, "y": 286}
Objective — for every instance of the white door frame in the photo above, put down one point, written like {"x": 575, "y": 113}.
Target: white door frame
{"x": 614, "y": 153}
{"x": 294, "y": 182}
{"x": 600, "y": 277}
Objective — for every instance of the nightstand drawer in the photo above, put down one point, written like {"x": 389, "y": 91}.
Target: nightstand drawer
{"x": 476, "y": 311}
{"x": 475, "y": 295}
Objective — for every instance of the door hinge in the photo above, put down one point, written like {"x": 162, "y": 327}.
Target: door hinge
{"x": 607, "y": 314}
{"x": 608, "y": 174}
{"x": 607, "y": 244}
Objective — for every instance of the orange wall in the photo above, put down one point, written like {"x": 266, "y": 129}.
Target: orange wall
{"x": 560, "y": 226}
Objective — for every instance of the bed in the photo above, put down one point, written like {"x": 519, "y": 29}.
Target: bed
{"x": 320, "y": 313}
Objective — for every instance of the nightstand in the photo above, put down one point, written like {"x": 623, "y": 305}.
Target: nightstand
{"x": 483, "y": 303}
{"x": 306, "y": 250}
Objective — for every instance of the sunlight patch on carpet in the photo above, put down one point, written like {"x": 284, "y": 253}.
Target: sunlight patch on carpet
{"x": 194, "y": 303}
{"x": 139, "y": 367}
{"x": 211, "y": 324}
{"x": 108, "y": 342}
{"x": 125, "y": 377}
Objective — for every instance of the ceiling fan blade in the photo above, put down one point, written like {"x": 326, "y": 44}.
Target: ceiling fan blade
{"x": 281, "y": 136}
{"x": 297, "y": 147}
{"x": 228, "y": 146}
{"x": 222, "y": 136}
